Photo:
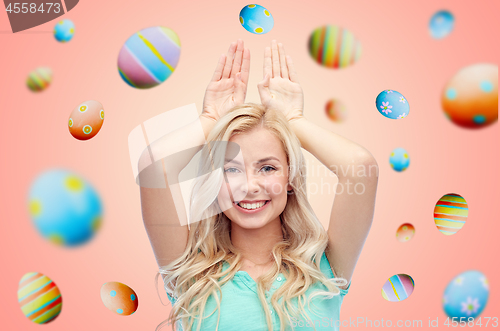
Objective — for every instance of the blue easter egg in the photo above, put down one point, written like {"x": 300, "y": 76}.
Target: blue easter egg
{"x": 64, "y": 31}
{"x": 466, "y": 295}
{"x": 399, "y": 159}
{"x": 392, "y": 104}
{"x": 64, "y": 208}
{"x": 256, "y": 19}
{"x": 441, "y": 24}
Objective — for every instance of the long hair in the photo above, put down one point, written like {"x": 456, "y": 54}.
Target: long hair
{"x": 195, "y": 275}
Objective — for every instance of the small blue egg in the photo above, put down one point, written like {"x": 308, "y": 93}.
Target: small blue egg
{"x": 466, "y": 295}
{"x": 256, "y": 19}
{"x": 392, "y": 104}
{"x": 441, "y": 24}
{"x": 399, "y": 159}
{"x": 64, "y": 31}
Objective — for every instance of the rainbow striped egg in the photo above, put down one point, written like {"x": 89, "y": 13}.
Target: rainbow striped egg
{"x": 149, "y": 57}
{"x": 398, "y": 288}
{"x": 450, "y": 213}
{"x": 39, "y": 297}
{"x": 39, "y": 79}
{"x": 334, "y": 47}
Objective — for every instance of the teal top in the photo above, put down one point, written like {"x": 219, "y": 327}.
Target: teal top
{"x": 241, "y": 308}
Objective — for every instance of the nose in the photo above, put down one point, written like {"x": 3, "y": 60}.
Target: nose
{"x": 252, "y": 183}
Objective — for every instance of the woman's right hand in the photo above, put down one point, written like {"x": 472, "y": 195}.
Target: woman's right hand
{"x": 228, "y": 86}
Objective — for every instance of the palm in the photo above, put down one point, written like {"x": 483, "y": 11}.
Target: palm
{"x": 229, "y": 83}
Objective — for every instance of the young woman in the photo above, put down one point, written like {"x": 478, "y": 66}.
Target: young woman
{"x": 255, "y": 256}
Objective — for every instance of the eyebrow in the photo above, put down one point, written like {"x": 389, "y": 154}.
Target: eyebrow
{"x": 260, "y": 161}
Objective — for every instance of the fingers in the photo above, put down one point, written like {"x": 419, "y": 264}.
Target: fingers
{"x": 291, "y": 69}
{"x": 268, "y": 64}
{"x": 229, "y": 61}
{"x": 237, "y": 58}
{"x": 218, "y": 69}
{"x": 245, "y": 67}
{"x": 275, "y": 59}
{"x": 283, "y": 66}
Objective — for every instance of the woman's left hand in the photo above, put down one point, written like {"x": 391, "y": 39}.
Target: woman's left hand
{"x": 280, "y": 88}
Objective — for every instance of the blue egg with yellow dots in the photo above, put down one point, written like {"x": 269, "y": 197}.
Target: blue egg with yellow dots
{"x": 64, "y": 31}
{"x": 256, "y": 19}
{"x": 399, "y": 159}
{"x": 392, "y": 104}
{"x": 64, "y": 207}
{"x": 441, "y": 24}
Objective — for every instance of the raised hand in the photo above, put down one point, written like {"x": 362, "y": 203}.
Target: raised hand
{"x": 280, "y": 88}
{"x": 228, "y": 86}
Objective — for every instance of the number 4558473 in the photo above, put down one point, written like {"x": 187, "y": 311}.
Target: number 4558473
{"x": 26, "y": 7}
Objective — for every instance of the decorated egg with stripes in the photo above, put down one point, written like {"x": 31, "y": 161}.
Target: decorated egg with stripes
{"x": 450, "y": 213}
{"x": 39, "y": 297}
{"x": 405, "y": 232}
{"x": 470, "y": 98}
{"x": 334, "y": 47}
{"x": 119, "y": 298}
{"x": 86, "y": 120}
{"x": 256, "y": 19}
{"x": 39, "y": 79}
{"x": 398, "y": 288}
{"x": 466, "y": 295}
{"x": 335, "y": 110}
{"x": 149, "y": 57}
{"x": 64, "y": 207}
{"x": 64, "y": 30}
{"x": 399, "y": 159}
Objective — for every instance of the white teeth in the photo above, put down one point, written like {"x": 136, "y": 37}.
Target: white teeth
{"x": 251, "y": 205}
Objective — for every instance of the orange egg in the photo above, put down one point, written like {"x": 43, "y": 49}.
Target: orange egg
{"x": 119, "y": 298}
{"x": 86, "y": 120}
{"x": 335, "y": 110}
{"x": 405, "y": 232}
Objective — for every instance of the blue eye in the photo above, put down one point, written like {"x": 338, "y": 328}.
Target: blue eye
{"x": 228, "y": 170}
{"x": 268, "y": 167}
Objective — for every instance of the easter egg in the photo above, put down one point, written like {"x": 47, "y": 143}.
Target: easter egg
{"x": 119, "y": 298}
{"x": 466, "y": 295}
{"x": 149, "y": 57}
{"x": 405, "y": 232}
{"x": 64, "y": 30}
{"x": 39, "y": 298}
{"x": 64, "y": 208}
{"x": 470, "y": 98}
{"x": 86, "y": 120}
{"x": 39, "y": 79}
{"x": 334, "y": 47}
{"x": 335, "y": 110}
{"x": 441, "y": 24}
{"x": 450, "y": 213}
{"x": 392, "y": 104}
{"x": 398, "y": 288}
{"x": 399, "y": 159}
{"x": 256, "y": 19}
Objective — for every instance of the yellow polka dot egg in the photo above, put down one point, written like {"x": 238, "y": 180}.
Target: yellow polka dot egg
{"x": 119, "y": 298}
{"x": 256, "y": 19}
{"x": 64, "y": 207}
{"x": 86, "y": 120}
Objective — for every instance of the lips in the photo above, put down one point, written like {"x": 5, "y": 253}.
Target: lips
{"x": 237, "y": 206}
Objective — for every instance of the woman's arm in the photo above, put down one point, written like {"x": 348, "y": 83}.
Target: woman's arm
{"x": 354, "y": 204}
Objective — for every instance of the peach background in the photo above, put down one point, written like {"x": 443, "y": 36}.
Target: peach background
{"x": 398, "y": 53}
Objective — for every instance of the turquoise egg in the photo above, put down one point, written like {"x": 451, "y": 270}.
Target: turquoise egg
{"x": 64, "y": 30}
{"x": 392, "y": 104}
{"x": 256, "y": 19}
{"x": 466, "y": 295}
{"x": 441, "y": 24}
{"x": 65, "y": 208}
{"x": 399, "y": 159}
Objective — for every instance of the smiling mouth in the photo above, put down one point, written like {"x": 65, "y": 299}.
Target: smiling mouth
{"x": 251, "y": 206}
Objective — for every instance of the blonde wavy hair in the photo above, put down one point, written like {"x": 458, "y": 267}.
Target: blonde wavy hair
{"x": 194, "y": 276}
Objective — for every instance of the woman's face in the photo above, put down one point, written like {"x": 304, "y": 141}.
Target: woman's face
{"x": 258, "y": 174}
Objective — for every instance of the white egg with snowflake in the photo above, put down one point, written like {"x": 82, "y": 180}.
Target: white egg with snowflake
{"x": 466, "y": 295}
{"x": 392, "y": 104}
